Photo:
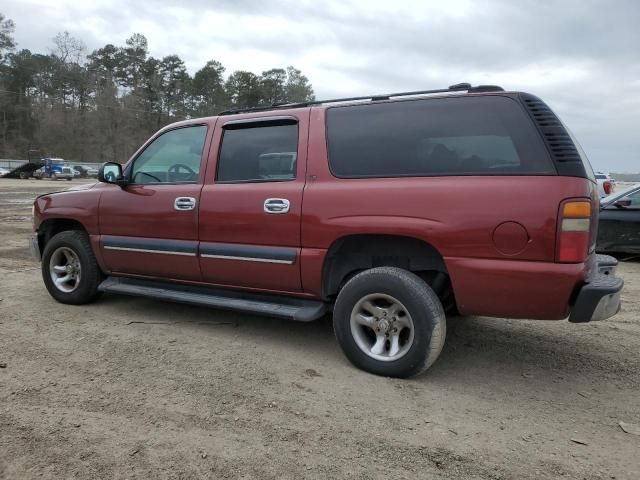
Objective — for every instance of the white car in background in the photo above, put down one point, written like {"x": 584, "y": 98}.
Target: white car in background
{"x": 3, "y": 171}
{"x": 605, "y": 184}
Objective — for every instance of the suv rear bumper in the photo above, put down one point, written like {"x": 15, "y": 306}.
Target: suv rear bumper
{"x": 599, "y": 297}
{"x": 535, "y": 290}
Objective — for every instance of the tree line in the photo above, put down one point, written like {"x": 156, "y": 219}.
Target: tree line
{"x": 101, "y": 106}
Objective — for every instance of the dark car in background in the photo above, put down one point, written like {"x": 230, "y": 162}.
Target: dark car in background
{"x": 619, "y": 224}
{"x": 80, "y": 171}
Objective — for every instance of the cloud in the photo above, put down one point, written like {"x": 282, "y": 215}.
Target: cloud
{"x": 580, "y": 56}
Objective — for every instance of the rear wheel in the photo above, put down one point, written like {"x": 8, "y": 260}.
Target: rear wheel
{"x": 69, "y": 268}
{"x": 389, "y": 322}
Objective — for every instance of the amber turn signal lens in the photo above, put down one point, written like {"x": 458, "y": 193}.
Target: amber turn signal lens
{"x": 576, "y": 210}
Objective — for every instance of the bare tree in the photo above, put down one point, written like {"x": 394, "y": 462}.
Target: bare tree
{"x": 69, "y": 49}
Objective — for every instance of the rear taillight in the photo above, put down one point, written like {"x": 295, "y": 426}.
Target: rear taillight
{"x": 606, "y": 186}
{"x": 574, "y": 225}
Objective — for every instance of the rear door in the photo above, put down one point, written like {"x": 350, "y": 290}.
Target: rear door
{"x": 251, "y": 203}
{"x": 150, "y": 226}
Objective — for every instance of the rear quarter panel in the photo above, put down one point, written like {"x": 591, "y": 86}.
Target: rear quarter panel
{"x": 458, "y": 215}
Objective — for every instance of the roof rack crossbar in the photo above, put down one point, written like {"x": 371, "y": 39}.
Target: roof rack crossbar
{"x": 453, "y": 88}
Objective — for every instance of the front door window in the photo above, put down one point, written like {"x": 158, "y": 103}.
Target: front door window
{"x": 173, "y": 157}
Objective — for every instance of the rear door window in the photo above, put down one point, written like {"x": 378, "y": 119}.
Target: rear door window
{"x": 483, "y": 135}
{"x": 258, "y": 153}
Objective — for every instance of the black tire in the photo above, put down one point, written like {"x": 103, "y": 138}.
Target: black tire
{"x": 419, "y": 301}
{"x": 87, "y": 288}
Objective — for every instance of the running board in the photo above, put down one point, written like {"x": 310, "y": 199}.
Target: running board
{"x": 300, "y": 310}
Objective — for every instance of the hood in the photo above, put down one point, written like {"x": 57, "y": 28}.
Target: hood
{"x": 84, "y": 186}
{"x": 76, "y": 188}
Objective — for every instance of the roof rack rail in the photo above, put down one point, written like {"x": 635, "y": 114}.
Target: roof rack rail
{"x": 458, "y": 87}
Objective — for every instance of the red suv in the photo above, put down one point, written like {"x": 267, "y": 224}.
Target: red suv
{"x": 387, "y": 210}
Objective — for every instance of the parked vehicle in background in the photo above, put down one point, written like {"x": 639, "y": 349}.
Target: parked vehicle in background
{"x": 52, "y": 168}
{"x": 92, "y": 172}
{"x": 79, "y": 171}
{"x": 4, "y": 171}
{"x": 62, "y": 173}
{"x": 605, "y": 184}
{"x": 619, "y": 222}
{"x": 67, "y": 173}
{"x": 210, "y": 211}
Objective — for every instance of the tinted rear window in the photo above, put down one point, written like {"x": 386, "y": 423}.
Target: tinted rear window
{"x": 258, "y": 154}
{"x": 483, "y": 135}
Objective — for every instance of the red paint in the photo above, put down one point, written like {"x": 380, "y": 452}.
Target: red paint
{"x": 510, "y": 238}
{"x": 233, "y": 213}
{"x": 514, "y": 289}
{"x": 147, "y": 211}
{"x": 497, "y": 235}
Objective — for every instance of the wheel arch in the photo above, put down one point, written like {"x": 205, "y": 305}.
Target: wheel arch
{"x": 52, "y": 226}
{"x": 351, "y": 254}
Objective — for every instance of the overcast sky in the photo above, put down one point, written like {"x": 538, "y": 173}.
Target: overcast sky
{"x": 582, "y": 57}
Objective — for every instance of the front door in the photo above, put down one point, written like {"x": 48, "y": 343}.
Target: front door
{"x": 150, "y": 226}
{"x": 251, "y": 203}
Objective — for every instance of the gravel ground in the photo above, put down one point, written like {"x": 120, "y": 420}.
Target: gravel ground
{"x": 138, "y": 389}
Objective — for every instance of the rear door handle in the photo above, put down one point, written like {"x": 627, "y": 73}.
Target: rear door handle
{"x": 276, "y": 205}
{"x": 184, "y": 203}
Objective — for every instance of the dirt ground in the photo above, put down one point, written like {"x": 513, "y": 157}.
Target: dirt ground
{"x": 138, "y": 389}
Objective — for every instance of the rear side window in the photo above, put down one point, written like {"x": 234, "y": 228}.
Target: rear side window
{"x": 484, "y": 135}
{"x": 258, "y": 154}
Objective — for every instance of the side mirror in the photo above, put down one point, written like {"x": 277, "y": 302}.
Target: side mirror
{"x": 624, "y": 202}
{"x": 111, "y": 172}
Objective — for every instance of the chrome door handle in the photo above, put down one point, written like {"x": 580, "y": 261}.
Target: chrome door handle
{"x": 184, "y": 203}
{"x": 276, "y": 205}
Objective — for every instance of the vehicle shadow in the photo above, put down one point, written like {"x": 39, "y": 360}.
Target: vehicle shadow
{"x": 528, "y": 348}
{"x": 499, "y": 349}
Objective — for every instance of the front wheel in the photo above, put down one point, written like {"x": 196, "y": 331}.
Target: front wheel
{"x": 69, "y": 268}
{"x": 389, "y": 322}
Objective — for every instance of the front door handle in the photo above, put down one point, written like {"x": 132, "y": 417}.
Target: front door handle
{"x": 184, "y": 203}
{"x": 276, "y": 205}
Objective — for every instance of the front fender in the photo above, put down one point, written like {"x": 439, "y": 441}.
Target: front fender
{"x": 77, "y": 205}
